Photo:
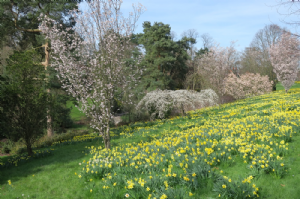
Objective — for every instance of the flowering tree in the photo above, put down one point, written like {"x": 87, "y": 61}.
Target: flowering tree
{"x": 285, "y": 57}
{"x": 247, "y": 85}
{"x": 158, "y": 103}
{"x": 94, "y": 78}
{"x": 216, "y": 64}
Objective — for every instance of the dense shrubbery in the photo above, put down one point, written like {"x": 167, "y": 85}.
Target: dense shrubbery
{"x": 160, "y": 103}
{"x": 247, "y": 85}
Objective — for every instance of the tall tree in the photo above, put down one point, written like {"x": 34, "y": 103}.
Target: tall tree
{"x": 93, "y": 79}
{"x": 195, "y": 80}
{"x": 20, "y": 27}
{"x": 285, "y": 57}
{"x": 191, "y": 33}
{"x": 207, "y": 41}
{"x": 164, "y": 59}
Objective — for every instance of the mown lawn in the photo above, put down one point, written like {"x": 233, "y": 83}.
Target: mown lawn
{"x": 248, "y": 148}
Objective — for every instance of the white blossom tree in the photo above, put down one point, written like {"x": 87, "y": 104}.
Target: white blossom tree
{"x": 93, "y": 79}
{"x": 285, "y": 57}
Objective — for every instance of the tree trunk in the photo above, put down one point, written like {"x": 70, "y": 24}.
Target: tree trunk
{"x": 182, "y": 108}
{"x": 29, "y": 149}
{"x": 194, "y": 84}
{"x": 49, "y": 118}
{"x": 106, "y": 138}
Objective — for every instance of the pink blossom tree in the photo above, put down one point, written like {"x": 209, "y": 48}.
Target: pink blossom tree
{"x": 95, "y": 77}
{"x": 215, "y": 66}
{"x": 247, "y": 85}
{"x": 285, "y": 57}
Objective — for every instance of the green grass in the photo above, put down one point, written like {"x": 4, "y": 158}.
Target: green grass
{"x": 280, "y": 87}
{"x": 51, "y": 177}
{"x": 54, "y": 176}
{"x": 76, "y": 115}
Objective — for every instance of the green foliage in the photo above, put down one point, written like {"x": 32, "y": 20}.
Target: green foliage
{"x": 28, "y": 13}
{"x": 165, "y": 59}
{"x": 202, "y": 51}
{"x": 28, "y": 20}
{"x": 24, "y": 99}
{"x": 61, "y": 113}
{"x": 235, "y": 189}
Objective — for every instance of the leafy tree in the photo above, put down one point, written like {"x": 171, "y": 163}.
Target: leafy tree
{"x": 20, "y": 31}
{"x": 19, "y": 20}
{"x": 24, "y": 99}
{"x": 164, "y": 59}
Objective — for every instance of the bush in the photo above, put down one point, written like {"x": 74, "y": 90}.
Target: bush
{"x": 159, "y": 104}
{"x": 18, "y": 147}
{"x": 248, "y": 85}
{"x": 61, "y": 114}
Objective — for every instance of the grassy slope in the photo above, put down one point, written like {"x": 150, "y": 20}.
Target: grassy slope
{"x": 54, "y": 175}
{"x": 51, "y": 177}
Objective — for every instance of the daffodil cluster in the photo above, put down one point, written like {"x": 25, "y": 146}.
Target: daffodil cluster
{"x": 185, "y": 149}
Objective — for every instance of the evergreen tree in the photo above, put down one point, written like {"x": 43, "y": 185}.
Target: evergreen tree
{"x": 164, "y": 59}
{"x": 23, "y": 99}
{"x": 20, "y": 31}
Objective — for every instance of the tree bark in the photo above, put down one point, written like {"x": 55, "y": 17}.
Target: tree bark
{"x": 106, "y": 138}
{"x": 29, "y": 148}
{"x": 49, "y": 118}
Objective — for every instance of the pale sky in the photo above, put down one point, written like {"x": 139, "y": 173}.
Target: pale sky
{"x": 223, "y": 20}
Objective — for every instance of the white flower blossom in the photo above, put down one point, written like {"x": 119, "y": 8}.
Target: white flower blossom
{"x": 158, "y": 102}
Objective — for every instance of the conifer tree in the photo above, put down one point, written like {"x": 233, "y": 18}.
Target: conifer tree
{"x": 164, "y": 59}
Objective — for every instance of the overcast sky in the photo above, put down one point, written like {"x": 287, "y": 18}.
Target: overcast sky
{"x": 223, "y": 20}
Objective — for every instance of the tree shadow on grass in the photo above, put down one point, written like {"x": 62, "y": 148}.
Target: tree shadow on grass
{"x": 62, "y": 156}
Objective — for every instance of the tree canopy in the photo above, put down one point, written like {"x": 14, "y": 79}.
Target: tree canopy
{"x": 165, "y": 59}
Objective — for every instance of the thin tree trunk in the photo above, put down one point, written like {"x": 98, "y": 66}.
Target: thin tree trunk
{"x": 49, "y": 118}
{"x": 107, "y": 138}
